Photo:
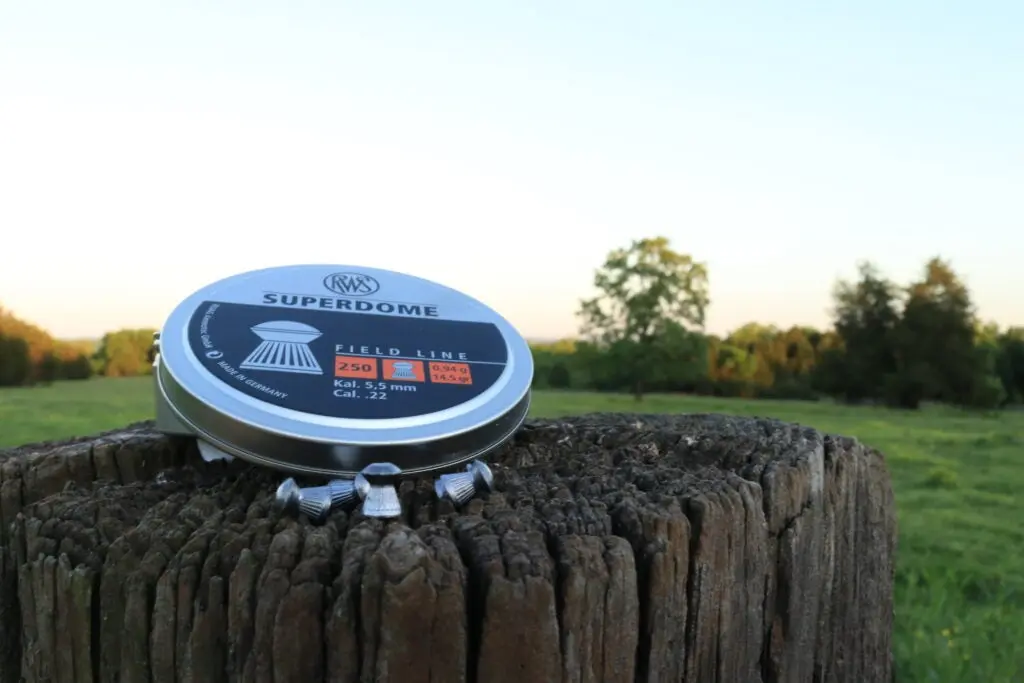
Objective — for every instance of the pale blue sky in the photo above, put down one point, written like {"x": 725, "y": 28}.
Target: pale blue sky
{"x": 505, "y": 148}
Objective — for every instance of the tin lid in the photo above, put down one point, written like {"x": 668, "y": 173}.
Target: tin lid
{"x": 325, "y": 369}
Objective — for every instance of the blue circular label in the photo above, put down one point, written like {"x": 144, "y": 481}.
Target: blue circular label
{"x": 342, "y": 364}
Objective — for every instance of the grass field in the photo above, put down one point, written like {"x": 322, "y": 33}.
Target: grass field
{"x": 958, "y": 480}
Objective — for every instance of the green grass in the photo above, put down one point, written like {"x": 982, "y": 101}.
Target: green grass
{"x": 67, "y": 409}
{"x": 958, "y": 480}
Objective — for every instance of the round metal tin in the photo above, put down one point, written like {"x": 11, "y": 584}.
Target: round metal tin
{"x": 325, "y": 369}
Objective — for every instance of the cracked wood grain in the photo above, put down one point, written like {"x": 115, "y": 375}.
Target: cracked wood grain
{"x": 614, "y": 548}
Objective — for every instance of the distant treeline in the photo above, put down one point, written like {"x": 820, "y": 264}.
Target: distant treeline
{"x": 29, "y": 355}
{"x": 888, "y": 344}
{"x": 891, "y": 345}
{"x": 800, "y": 363}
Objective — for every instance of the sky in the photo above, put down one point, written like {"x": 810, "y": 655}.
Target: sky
{"x": 150, "y": 148}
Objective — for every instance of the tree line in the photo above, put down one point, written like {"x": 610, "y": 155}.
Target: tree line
{"x": 889, "y": 344}
{"x": 643, "y": 331}
{"x": 31, "y": 356}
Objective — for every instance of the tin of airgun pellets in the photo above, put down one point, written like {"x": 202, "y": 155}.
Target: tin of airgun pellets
{"x": 327, "y": 369}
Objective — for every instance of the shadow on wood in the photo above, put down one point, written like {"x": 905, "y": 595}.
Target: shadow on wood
{"x": 614, "y": 548}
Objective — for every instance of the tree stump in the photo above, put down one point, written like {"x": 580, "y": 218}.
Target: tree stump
{"x": 614, "y": 548}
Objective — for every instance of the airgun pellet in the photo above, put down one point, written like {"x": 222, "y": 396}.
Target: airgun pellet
{"x": 357, "y": 375}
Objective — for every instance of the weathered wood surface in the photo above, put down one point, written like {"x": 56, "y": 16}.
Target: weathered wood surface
{"x": 615, "y": 548}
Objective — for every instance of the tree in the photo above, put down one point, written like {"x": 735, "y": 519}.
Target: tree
{"x": 732, "y": 369}
{"x": 1010, "y": 363}
{"x": 559, "y": 376}
{"x": 866, "y": 315}
{"x": 37, "y": 344}
{"x": 682, "y": 358}
{"x": 125, "y": 353}
{"x": 938, "y": 341}
{"x": 552, "y": 364}
{"x": 642, "y": 291}
{"x": 15, "y": 362}
{"x": 49, "y": 368}
{"x": 758, "y": 341}
{"x": 78, "y": 368}
{"x": 74, "y": 358}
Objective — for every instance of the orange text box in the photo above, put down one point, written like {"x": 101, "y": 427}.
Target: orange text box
{"x": 404, "y": 370}
{"x": 450, "y": 373}
{"x": 355, "y": 367}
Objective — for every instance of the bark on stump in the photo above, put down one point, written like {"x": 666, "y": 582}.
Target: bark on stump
{"x": 614, "y": 548}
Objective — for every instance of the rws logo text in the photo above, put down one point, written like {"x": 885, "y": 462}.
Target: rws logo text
{"x": 351, "y": 284}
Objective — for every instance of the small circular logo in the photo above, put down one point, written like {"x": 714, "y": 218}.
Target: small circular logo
{"x": 351, "y": 284}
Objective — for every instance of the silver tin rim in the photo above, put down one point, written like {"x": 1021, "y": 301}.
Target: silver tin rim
{"x": 304, "y": 443}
